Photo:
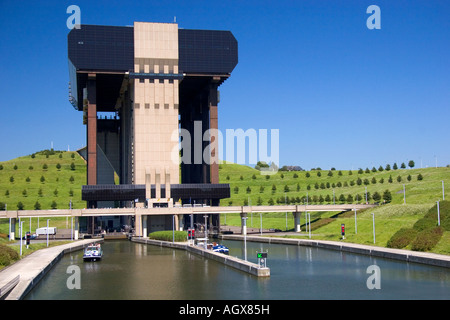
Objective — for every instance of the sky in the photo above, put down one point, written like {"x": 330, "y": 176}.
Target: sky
{"x": 341, "y": 95}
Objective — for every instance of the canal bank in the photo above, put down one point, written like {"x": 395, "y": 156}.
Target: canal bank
{"x": 227, "y": 260}
{"x": 432, "y": 259}
{"x": 19, "y": 278}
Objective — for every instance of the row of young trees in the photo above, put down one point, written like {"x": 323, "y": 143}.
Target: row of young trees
{"x": 36, "y": 206}
{"x": 44, "y": 166}
{"x": 329, "y": 185}
{"x": 42, "y": 179}
{"x": 386, "y": 196}
{"x": 40, "y": 193}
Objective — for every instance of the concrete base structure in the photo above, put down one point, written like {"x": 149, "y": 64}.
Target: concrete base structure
{"x": 230, "y": 261}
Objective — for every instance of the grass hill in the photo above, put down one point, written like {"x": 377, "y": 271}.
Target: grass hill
{"x": 49, "y": 179}
{"x": 248, "y": 186}
{"x": 53, "y": 178}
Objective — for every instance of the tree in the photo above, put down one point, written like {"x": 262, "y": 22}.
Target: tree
{"x": 71, "y": 193}
{"x": 72, "y": 155}
{"x": 71, "y": 179}
{"x": 330, "y": 173}
{"x": 366, "y": 182}
{"x": 72, "y": 167}
{"x": 376, "y": 196}
{"x": 259, "y": 201}
{"x": 374, "y": 169}
{"x": 298, "y": 187}
{"x": 367, "y": 170}
{"x": 307, "y": 175}
{"x": 420, "y": 177}
{"x": 44, "y": 166}
{"x": 380, "y": 168}
{"x": 271, "y": 202}
{"x": 54, "y": 205}
{"x": 374, "y": 181}
{"x": 350, "y": 173}
{"x": 295, "y": 175}
{"x": 15, "y": 167}
{"x": 286, "y": 188}
{"x": 20, "y": 205}
{"x": 388, "y": 167}
{"x": 24, "y": 192}
{"x": 55, "y": 192}
{"x": 359, "y": 181}
{"x": 319, "y": 174}
{"x": 37, "y": 206}
{"x": 328, "y": 198}
{"x": 42, "y": 179}
{"x": 40, "y": 192}
{"x": 261, "y": 189}
{"x": 360, "y": 171}
{"x": 387, "y": 196}
{"x": 11, "y": 179}
{"x": 395, "y": 167}
{"x": 399, "y": 179}
{"x": 342, "y": 198}
{"x": 409, "y": 177}
{"x": 403, "y": 165}
{"x": 411, "y": 164}
{"x": 241, "y": 177}
{"x": 58, "y": 166}
{"x": 349, "y": 198}
{"x": 267, "y": 177}
{"x": 390, "y": 179}
{"x": 28, "y": 179}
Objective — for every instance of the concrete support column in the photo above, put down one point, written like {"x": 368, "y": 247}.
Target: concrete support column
{"x": 76, "y": 228}
{"x": 180, "y": 222}
{"x": 91, "y": 130}
{"x": 144, "y": 226}
{"x": 12, "y": 229}
{"x": 297, "y": 221}
{"x": 243, "y": 223}
{"x": 214, "y": 126}
{"x": 138, "y": 225}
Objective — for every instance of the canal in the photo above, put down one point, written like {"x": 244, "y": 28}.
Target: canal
{"x": 137, "y": 271}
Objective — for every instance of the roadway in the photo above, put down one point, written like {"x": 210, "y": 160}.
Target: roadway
{"x": 179, "y": 210}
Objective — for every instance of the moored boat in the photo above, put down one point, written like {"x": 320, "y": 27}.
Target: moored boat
{"x": 93, "y": 252}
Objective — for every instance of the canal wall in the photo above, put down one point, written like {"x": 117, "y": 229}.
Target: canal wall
{"x": 227, "y": 260}
{"x": 20, "y": 278}
{"x": 433, "y": 259}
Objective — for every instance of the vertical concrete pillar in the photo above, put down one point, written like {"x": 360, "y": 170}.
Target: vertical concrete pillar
{"x": 76, "y": 227}
{"x": 91, "y": 130}
{"x": 138, "y": 225}
{"x": 214, "y": 126}
{"x": 12, "y": 229}
{"x": 243, "y": 223}
{"x": 144, "y": 226}
{"x": 297, "y": 221}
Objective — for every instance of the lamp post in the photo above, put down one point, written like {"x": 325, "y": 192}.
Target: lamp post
{"x": 356, "y": 224}
{"x": 244, "y": 224}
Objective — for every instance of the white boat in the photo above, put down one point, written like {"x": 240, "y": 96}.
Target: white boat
{"x": 93, "y": 252}
{"x": 203, "y": 243}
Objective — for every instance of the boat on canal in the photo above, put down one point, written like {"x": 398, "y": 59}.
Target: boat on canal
{"x": 93, "y": 252}
{"x": 203, "y": 243}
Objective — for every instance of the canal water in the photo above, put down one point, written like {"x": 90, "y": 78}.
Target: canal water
{"x": 136, "y": 271}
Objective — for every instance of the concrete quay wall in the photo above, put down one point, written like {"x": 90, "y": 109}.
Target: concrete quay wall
{"x": 434, "y": 259}
{"x": 227, "y": 260}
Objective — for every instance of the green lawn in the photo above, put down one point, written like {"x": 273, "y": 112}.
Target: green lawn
{"x": 421, "y": 195}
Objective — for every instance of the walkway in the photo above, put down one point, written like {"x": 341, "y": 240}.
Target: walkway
{"x": 33, "y": 267}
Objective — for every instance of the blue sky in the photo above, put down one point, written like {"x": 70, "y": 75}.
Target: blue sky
{"x": 341, "y": 95}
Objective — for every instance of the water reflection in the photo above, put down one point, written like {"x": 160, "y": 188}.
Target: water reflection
{"x": 136, "y": 271}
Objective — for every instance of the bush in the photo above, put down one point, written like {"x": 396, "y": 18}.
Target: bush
{"x": 180, "y": 236}
{"x": 424, "y": 223}
{"x": 402, "y": 238}
{"x": 7, "y": 255}
{"x": 427, "y": 239}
